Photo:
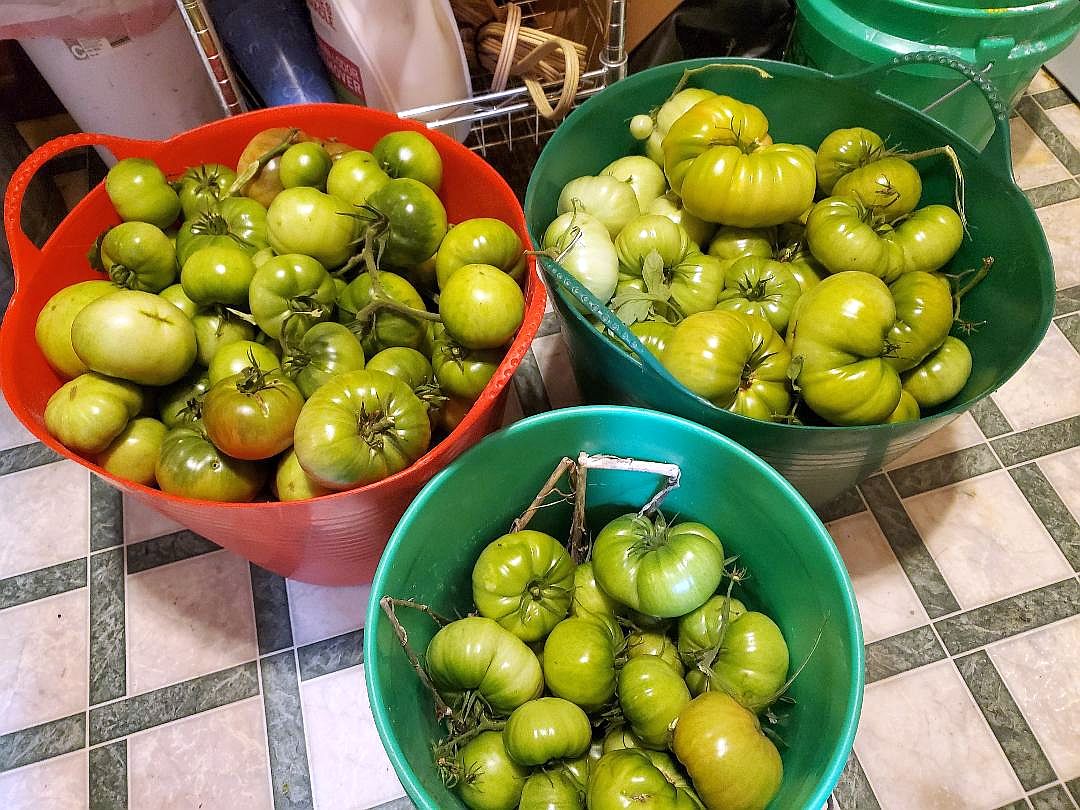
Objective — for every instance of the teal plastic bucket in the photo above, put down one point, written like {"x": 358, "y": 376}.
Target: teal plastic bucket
{"x": 796, "y": 574}
{"x": 1006, "y": 40}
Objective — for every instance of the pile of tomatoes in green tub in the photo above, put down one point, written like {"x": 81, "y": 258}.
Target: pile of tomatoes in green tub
{"x": 776, "y": 281}
{"x": 309, "y": 320}
{"x": 624, "y": 681}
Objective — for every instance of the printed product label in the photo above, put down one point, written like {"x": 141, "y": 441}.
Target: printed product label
{"x": 342, "y": 68}
{"x": 88, "y": 47}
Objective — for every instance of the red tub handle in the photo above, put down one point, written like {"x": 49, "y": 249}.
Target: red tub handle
{"x": 999, "y": 149}
{"x": 25, "y": 256}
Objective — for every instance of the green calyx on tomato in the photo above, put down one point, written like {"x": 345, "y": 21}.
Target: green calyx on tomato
{"x": 488, "y": 778}
{"x": 843, "y": 151}
{"x": 409, "y": 221}
{"x": 251, "y": 415}
{"x": 584, "y": 249}
{"x": 461, "y": 372}
{"x": 524, "y": 581}
{"x": 477, "y": 654}
{"x": 87, "y": 413}
{"x": 139, "y": 256}
{"x": 890, "y": 186}
{"x": 659, "y": 569}
{"x": 731, "y": 763}
{"x": 844, "y": 234}
{"x": 202, "y": 187}
{"x": 234, "y": 358}
{"x": 384, "y": 310}
{"x": 233, "y": 222}
{"x": 181, "y": 402}
{"x": 326, "y": 349}
{"x": 360, "y": 427}
{"x": 759, "y": 286}
{"x": 291, "y": 288}
{"x": 192, "y": 467}
{"x": 539, "y": 731}
{"x": 735, "y": 360}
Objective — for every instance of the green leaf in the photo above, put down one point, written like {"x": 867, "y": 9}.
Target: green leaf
{"x": 794, "y": 370}
{"x": 632, "y": 308}
{"x": 652, "y": 271}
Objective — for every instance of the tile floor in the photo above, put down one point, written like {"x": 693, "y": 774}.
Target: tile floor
{"x": 144, "y": 668}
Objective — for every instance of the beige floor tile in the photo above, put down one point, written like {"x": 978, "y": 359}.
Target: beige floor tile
{"x": 1043, "y": 81}
{"x": 960, "y": 433}
{"x": 187, "y": 619}
{"x": 1033, "y": 162}
{"x": 348, "y": 770}
{"x": 1027, "y": 401}
{"x": 43, "y": 660}
{"x": 1040, "y": 670}
{"x": 887, "y": 602}
{"x": 51, "y": 523}
{"x": 986, "y": 540}
{"x": 556, "y": 370}
{"x": 1063, "y": 471}
{"x": 1067, "y": 118}
{"x": 56, "y": 784}
{"x": 142, "y": 522}
{"x": 320, "y": 612}
{"x": 212, "y": 761}
{"x": 924, "y": 745}
{"x": 1059, "y": 222}
{"x": 12, "y": 432}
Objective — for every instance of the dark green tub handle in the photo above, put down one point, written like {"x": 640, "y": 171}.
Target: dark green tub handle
{"x": 998, "y": 150}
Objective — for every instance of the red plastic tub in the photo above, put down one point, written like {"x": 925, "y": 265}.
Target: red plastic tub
{"x": 336, "y": 539}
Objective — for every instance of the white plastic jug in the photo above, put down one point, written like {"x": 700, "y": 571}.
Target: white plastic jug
{"x": 393, "y": 55}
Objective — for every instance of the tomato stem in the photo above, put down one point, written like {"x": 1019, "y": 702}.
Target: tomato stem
{"x": 389, "y": 606}
{"x": 691, "y": 72}
{"x": 259, "y": 164}
{"x": 976, "y": 276}
{"x": 959, "y": 191}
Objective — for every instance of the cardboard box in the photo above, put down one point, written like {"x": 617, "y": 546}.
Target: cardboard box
{"x": 643, "y": 17}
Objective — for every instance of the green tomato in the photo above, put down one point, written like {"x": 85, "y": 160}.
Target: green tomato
{"x": 385, "y": 327}
{"x": 840, "y": 328}
{"x": 843, "y": 151}
{"x": 524, "y": 581}
{"x": 52, "y": 331}
{"x": 140, "y": 192}
{"x": 761, "y": 287}
{"x": 699, "y": 630}
{"x": 493, "y": 780}
{"x": 215, "y": 329}
{"x": 731, "y": 243}
{"x": 479, "y": 241}
{"x": 651, "y": 695}
{"x": 139, "y": 256}
{"x": 304, "y": 164}
{"x": 670, "y": 205}
{"x": 176, "y": 296}
{"x": 181, "y": 402}
{"x": 233, "y": 358}
{"x": 732, "y": 764}
{"x": 842, "y": 234}
{"x": 654, "y": 334}
{"x": 735, "y": 360}
{"x": 609, "y": 200}
{"x": 307, "y": 221}
{"x": 133, "y": 454}
{"x": 135, "y": 336}
{"x": 461, "y": 372}
{"x": 234, "y": 222}
{"x": 591, "y": 258}
{"x": 218, "y": 275}
{"x": 940, "y": 376}
{"x": 644, "y": 176}
{"x": 579, "y": 661}
{"x": 407, "y": 153}
{"x": 628, "y": 778}
{"x": 360, "y": 427}
{"x": 192, "y": 467}
{"x": 261, "y": 257}
{"x": 544, "y": 729}
{"x": 714, "y": 122}
{"x": 552, "y": 790}
{"x": 293, "y": 288}
{"x": 87, "y": 413}
{"x": 251, "y": 415}
{"x": 291, "y": 483}
{"x": 416, "y": 221}
{"x": 325, "y": 350}
{"x": 929, "y": 238}
{"x": 475, "y": 653}
{"x": 202, "y": 187}
{"x": 620, "y": 738}
{"x": 355, "y": 176}
{"x": 481, "y": 307}
{"x": 651, "y": 643}
{"x": 656, "y": 568}
{"x": 924, "y": 315}
{"x": 670, "y": 112}
{"x": 414, "y": 370}
{"x": 890, "y": 187}
{"x": 906, "y": 410}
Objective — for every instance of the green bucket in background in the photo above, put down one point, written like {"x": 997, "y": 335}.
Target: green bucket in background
{"x": 1006, "y": 40}
{"x": 796, "y": 574}
{"x": 803, "y": 105}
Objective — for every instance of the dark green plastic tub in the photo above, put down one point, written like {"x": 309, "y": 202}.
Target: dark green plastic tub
{"x": 797, "y": 576}
{"x": 803, "y": 105}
